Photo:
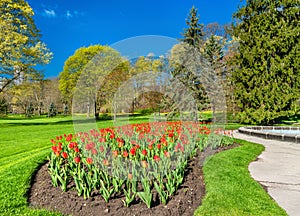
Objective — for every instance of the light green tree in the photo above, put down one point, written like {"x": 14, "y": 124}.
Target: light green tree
{"x": 20, "y": 46}
{"x": 93, "y": 73}
{"x": 267, "y": 76}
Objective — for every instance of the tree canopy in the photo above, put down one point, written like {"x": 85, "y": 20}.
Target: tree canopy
{"x": 91, "y": 69}
{"x": 267, "y": 76}
{"x": 20, "y": 46}
{"x": 194, "y": 33}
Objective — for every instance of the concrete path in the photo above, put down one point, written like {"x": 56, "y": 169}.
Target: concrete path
{"x": 278, "y": 168}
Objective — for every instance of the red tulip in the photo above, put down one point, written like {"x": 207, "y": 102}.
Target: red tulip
{"x": 64, "y": 155}
{"x": 156, "y": 158}
{"x": 94, "y": 151}
{"x": 144, "y": 152}
{"x": 77, "y": 159}
{"x": 89, "y": 160}
{"x": 101, "y": 139}
{"x": 54, "y": 148}
{"x": 132, "y": 151}
{"x": 105, "y": 162}
{"x": 69, "y": 137}
{"x": 115, "y": 153}
{"x": 71, "y": 145}
{"x": 125, "y": 154}
{"x": 167, "y": 154}
{"x": 101, "y": 148}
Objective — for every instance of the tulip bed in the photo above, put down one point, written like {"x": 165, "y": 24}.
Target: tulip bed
{"x": 134, "y": 161}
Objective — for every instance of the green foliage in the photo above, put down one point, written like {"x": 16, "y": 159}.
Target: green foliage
{"x": 52, "y": 110}
{"x": 3, "y": 106}
{"x": 66, "y": 110}
{"x": 267, "y": 79}
{"x": 73, "y": 67}
{"x": 90, "y": 69}
{"x": 194, "y": 33}
{"x": 193, "y": 39}
{"x": 20, "y": 48}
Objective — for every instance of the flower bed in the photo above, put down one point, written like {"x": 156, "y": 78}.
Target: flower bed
{"x": 134, "y": 161}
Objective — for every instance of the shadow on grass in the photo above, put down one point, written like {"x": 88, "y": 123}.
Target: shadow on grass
{"x": 28, "y": 121}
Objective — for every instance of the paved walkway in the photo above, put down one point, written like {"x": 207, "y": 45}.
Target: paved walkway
{"x": 278, "y": 168}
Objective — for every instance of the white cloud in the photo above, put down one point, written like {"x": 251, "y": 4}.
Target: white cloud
{"x": 49, "y": 13}
{"x": 69, "y": 14}
{"x": 72, "y": 14}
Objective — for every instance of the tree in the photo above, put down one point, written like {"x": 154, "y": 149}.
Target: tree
{"x": 21, "y": 97}
{"x": 3, "y": 105}
{"x": 29, "y": 110}
{"x": 20, "y": 46}
{"x": 194, "y": 33}
{"x": 52, "y": 110}
{"x": 192, "y": 39}
{"x": 91, "y": 68}
{"x": 267, "y": 77}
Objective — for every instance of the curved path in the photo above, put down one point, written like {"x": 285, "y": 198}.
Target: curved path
{"x": 278, "y": 168}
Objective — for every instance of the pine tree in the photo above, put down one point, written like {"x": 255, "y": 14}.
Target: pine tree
{"x": 52, "y": 110}
{"x": 267, "y": 78}
{"x": 214, "y": 52}
{"x": 3, "y": 106}
{"x": 192, "y": 42}
{"x": 193, "y": 35}
{"x": 66, "y": 109}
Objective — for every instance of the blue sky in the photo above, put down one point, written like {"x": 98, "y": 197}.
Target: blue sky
{"x": 67, "y": 25}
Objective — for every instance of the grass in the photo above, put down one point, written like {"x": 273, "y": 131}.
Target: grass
{"x": 230, "y": 190}
{"x": 25, "y": 145}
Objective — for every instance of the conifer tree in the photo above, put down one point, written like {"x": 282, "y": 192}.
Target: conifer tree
{"x": 193, "y": 35}
{"x": 52, "y": 110}
{"x": 267, "y": 78}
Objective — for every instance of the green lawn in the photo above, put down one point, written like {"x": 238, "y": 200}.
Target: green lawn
{"x": 25, "y": 143}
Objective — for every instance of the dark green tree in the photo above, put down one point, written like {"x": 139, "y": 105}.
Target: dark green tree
{"x": 66, "y": 110}
{"x": 192, "y": 39}
{"x": 3, "y": 106}
{"x": 52, "y": 110}
{"x": 193, "y": 35}
{"x": 267, "y": 80}
{"x": 214, "y": 53}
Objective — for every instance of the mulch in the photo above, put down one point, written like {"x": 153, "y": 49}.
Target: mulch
{"x": 187, "y": 199}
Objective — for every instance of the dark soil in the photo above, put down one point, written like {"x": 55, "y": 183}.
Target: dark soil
{"x": 186, "y": 200}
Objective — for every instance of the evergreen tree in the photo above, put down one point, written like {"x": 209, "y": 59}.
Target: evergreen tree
{"x": 52, "y": 110}
{"x": 193, "y": 42}
{"x": 66, "y": 109}
{"x": 267, "y": 78}
{"x": 214, "y": 52}
{"x": 193, "y": 35}
{"x": 3, "y": 106}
